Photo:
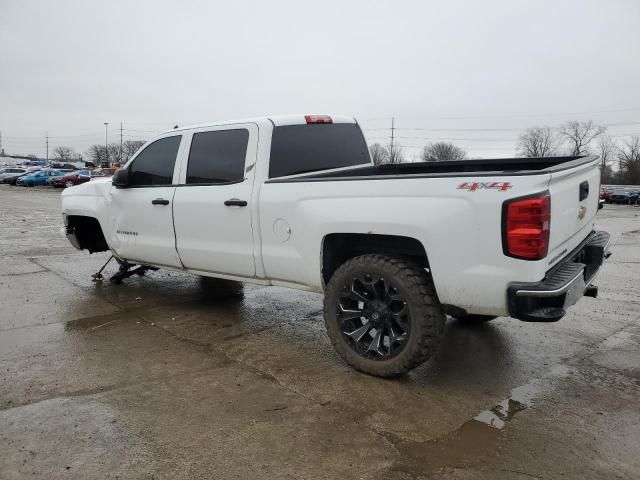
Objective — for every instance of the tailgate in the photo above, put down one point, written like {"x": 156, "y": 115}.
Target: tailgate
{"x": 574, "y": 203}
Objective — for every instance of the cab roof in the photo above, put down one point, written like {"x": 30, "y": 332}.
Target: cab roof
{"x": 276, "y": 120}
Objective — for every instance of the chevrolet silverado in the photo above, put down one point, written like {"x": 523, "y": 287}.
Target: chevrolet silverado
{"x": 296, "y": 201}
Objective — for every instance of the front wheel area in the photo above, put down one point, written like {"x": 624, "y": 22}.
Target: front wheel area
{"x": 382, "y": 315}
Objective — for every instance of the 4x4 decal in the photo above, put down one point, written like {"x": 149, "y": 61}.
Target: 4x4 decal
{"x": 473, "y": 186}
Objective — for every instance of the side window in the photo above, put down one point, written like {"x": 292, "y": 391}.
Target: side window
{"x": 217, "y": 157}
{"x": 154, "y": 165}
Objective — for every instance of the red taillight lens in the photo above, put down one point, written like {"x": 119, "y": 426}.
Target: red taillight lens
{"x": 526, "y": 227}
{"x": 318, "y": 119}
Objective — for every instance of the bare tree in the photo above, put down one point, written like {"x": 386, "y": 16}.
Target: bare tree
{"x": 538, "y": 142}
{"x": 580, "y": 134}
{"x": 96, "y": 153}
{"x": 396, "y": 153}
{"x": 439, "y": 151}
{"x": 130, "y": 147}
{"x": 379, "y": 154}
{"x": 64, "y": 153}
{"x": 629, "y": 161}
{"x": 606, "y": 149}
{"x": 115, "y": 154}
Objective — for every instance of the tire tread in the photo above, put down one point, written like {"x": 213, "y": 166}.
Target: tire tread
{"x": 427, "y": 315}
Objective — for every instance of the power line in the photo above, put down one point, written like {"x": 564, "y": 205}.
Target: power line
{"x": 514, "y": 115}
{"x": 617, "y": 124}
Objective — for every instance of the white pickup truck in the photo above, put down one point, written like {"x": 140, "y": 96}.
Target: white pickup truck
{"x": 295, "y": 201}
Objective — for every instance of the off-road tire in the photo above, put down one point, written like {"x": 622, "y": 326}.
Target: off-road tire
{"x": 427, "y": 316}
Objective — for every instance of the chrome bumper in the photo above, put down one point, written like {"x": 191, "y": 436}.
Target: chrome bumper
{"x": 563, "y": 286}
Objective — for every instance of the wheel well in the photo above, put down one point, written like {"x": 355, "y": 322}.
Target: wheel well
{"x": 88, "y": 232}
{"x": 337, "y": 248}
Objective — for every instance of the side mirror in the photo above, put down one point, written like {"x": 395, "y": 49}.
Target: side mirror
{"x": 121, "y": 178}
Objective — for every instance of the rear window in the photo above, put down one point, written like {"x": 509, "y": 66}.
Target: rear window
{"x": 309, "y": 148}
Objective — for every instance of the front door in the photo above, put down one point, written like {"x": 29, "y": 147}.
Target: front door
{"x": 143, "y": 223}
{"x": 212, "y": 204}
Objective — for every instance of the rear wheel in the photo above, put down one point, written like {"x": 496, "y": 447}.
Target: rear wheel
{"x": 383, "y": 315}
{"x": 68, "y": 184}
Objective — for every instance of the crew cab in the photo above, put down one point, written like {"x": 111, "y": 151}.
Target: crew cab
{"x": 296, "y": 201}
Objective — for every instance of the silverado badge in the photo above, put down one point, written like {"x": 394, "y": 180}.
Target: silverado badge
{"x": 582, "y": 211}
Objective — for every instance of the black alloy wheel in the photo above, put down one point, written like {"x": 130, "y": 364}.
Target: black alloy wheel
{"x": 373, "y": 316}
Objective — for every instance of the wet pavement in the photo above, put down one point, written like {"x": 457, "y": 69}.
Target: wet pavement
{"x": 173, "y": 376}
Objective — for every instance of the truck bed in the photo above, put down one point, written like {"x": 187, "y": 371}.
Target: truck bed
{"x": 484, "y": 167}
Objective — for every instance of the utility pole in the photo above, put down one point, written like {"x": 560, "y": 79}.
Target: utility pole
{"x": 47, "y": 143}
{"x": 121, "y": 158}
{"x": 106, "y": 143}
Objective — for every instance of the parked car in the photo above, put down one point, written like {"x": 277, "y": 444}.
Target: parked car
{"x": 71, "y": 179}
{"x": 625, "y": 197}
{"x": 11, "y": 172}
{"x": 605, "y": 194}
{"x": 103, "y": 172}
{"x": 296, "y": 201}
{"x": 33, "y": 163}
{"x": 38, "y": 178}
{"x": 11, "y": 180}
{"x": 65, "y": 166}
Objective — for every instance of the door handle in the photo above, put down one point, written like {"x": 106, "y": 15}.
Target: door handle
{"x": 235, "y": 202}
{"x": 160, "y": 201}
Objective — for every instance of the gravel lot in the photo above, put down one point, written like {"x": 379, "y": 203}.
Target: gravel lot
{"x": 170, "y": 376}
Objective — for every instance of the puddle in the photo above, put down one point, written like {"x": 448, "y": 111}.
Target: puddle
{"x": 96, "y": 322}
{"x": 520, "y": 399}
{"x": 477, "y": 439}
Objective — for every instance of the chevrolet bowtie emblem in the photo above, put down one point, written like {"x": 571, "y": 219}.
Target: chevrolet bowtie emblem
{"x": 582, "y": 211}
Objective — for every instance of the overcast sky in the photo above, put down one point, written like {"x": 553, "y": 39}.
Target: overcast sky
{"x": 445, "y": 69}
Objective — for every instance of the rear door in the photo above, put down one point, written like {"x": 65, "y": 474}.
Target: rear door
{"x": 574, "y": 204}
{"x": 212, "y": 206}
{"x": 142, "y": 217}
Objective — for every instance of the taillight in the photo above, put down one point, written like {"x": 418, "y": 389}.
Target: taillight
{"x": 318, "y": 119}
{"x": 525, "y": 223}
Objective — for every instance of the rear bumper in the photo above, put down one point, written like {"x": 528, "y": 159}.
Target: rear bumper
{"x": 563, "y": 285}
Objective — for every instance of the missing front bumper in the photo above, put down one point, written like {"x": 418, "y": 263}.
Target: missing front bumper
{"x": 563, "y": 286}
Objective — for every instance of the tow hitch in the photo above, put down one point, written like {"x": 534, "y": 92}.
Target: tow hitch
{"x": 591, "y": 291}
